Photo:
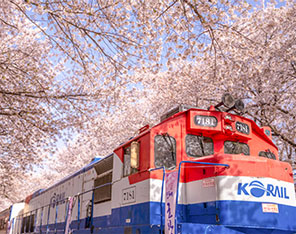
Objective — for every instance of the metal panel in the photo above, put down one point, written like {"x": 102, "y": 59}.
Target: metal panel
{"x": 104, "y": 165}
{"x": 103, "y": 193}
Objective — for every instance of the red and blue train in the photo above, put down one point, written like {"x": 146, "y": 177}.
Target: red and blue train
{"x": 197, "y": 171}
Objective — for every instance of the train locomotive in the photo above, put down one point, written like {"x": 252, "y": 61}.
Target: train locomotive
{"x": 197, "y": 171}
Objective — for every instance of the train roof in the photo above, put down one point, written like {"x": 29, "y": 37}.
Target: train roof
{"x": 183, "y": 109}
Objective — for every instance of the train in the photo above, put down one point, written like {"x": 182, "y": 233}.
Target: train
{"x": 196, "y": 171}
{"x": 4, "y": 217}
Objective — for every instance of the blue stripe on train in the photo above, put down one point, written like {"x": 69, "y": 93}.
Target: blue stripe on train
{"x": 189, "y": 228}
{"x": 143, "y": 214}
{"x": 241, "y": 214}
{"x": 238, "y": 216}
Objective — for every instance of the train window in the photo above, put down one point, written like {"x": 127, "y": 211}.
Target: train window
{"x": 198, "y": 146}
{"x": 2, "y": 224}
{"x": 267, "y": 154}
{"x": 165, "y": 151}
{"x": 233, "y": 147}
{"x": 127, "y": 161}
{"x": 28, "y": 224}
{"x": 31, "y": 223}
{"x": 127, "y": 169}
{"x": 23, "y": 224}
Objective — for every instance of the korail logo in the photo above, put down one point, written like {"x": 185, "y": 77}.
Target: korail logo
{"x": 258, "y": 189}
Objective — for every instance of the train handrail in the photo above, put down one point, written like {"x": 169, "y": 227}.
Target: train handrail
{"x": 56, "y": 218}
{"x": 41, "y": 216}
{"x": 48, "y": 213}
{"x": 161, "y": 196}
{"x": 78, "y": 212}
{"x": 92, "y": 212}
{"x": 178, "y": 181}
{"x": 66, "y": 216}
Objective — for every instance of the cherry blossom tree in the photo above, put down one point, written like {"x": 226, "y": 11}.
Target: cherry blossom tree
{"x": 258, "y": 64}
{"x": 107, "y": 68}
{"x": 40, "y": 98}
{"x": 253, "y": 59}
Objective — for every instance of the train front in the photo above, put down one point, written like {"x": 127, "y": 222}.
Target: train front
{"x": 230, "y": 177}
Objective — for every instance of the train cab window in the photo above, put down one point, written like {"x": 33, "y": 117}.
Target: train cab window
{"x": 127, "y": 161}
{"x": 267, "y": 154}
{"x": 127, "y": 168}
{"x": 198, "y": 146}
{"x": 233, "y": 147}
{"x": 165, "y": 151}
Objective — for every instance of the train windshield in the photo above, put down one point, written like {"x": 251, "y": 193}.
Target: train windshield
{"x": 233, "y": 147}
{"x": 198, "y": 146}
{"x": 267, "y": 154}
{"x": 165, "y": 151}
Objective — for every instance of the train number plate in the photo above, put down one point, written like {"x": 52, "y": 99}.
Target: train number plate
{"x": 242, "y": 127}
{"x": 129, "y": 195}
{"x": 205, "y": 121}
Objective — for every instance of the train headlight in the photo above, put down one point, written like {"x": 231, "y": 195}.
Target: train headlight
{"x": 227, "y": 101}
{"x": 228, "y": 119}
{"x": 228, "y": 128}
{"x": 239, "y": 105}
